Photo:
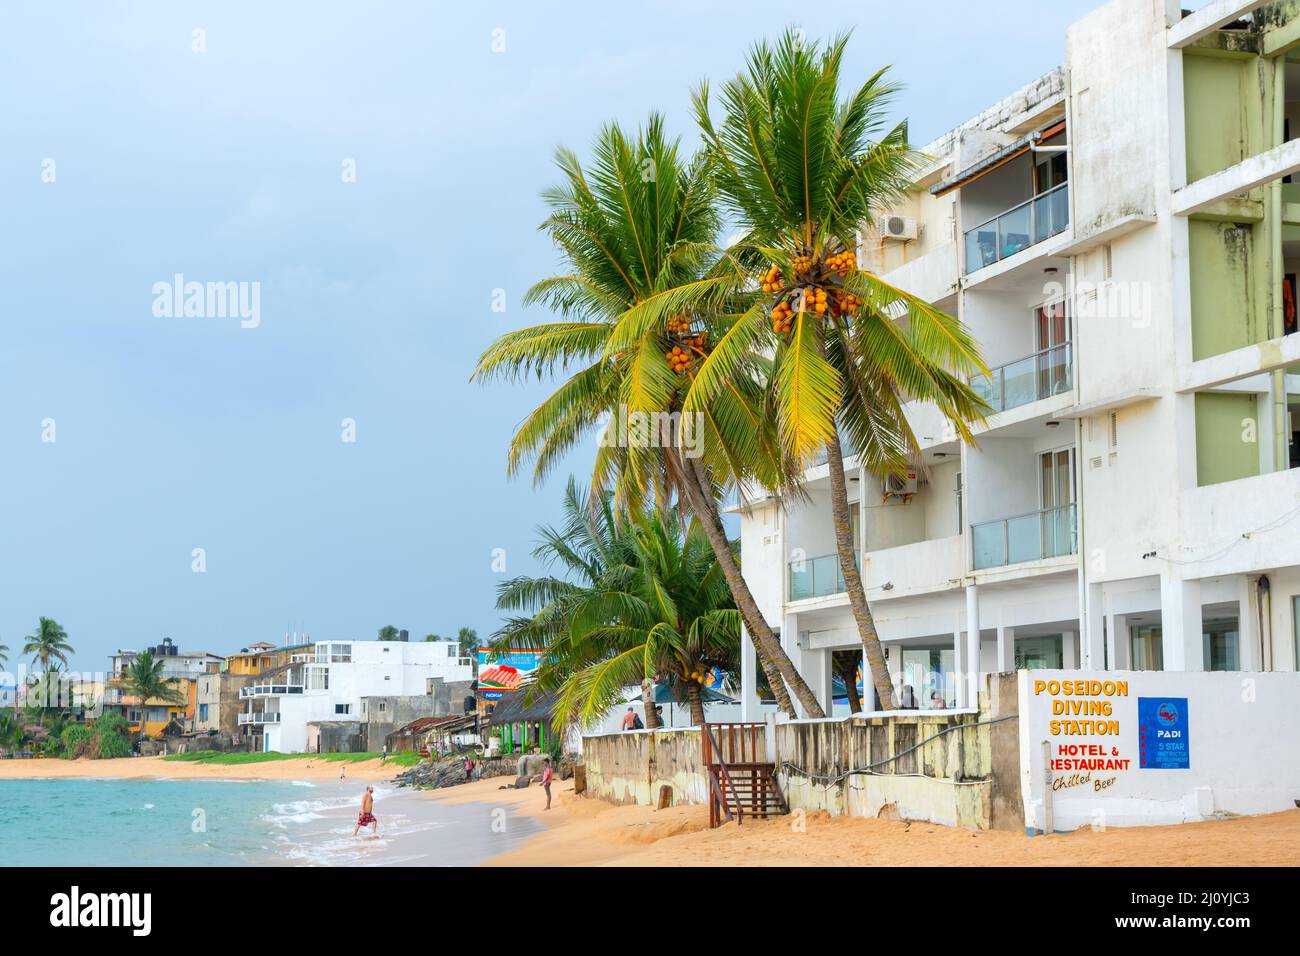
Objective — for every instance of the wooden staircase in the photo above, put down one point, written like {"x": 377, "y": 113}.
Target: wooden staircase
{"x": 741, "y": 780}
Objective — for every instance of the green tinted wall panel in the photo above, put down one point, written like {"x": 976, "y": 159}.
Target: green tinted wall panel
{"x": 1227, "y": 437}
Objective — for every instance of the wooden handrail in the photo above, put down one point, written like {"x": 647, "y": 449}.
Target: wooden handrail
{"x": 711, "y": 747}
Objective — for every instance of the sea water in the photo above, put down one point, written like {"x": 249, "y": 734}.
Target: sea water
{"x": 101, "y": 822}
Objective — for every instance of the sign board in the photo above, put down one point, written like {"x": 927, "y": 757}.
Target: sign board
{"x": 1162, "y": 733}
{"x": 500, "y": 672}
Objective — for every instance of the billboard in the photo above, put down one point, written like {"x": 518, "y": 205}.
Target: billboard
{"x": 500, "y": 672}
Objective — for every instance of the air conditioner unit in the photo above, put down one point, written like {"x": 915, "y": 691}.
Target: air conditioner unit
{"x": 894, "y": 485}
{"x": 897, "y": 227}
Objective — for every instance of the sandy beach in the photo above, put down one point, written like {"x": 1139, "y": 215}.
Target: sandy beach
{"x": 586, "y": 832}
{"x": 580, "y": 831}
{"x": 146, "y": 768}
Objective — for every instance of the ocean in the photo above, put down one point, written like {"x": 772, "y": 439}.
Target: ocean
{"x": 90, "y": 822}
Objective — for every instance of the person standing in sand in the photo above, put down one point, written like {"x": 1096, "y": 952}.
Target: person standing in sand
{"x": 547, "y": 776}
{"x": 343, "y": 772}
{"x": 367, "y": 816}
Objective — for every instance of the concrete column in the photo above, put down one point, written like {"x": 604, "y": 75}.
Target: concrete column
{"x": 1247, "y": 624}
{"x": 1069, "y": 656}
{"x": 1092, "y": 641}
{"x": 1117, "y": 642}
{"x": 1180, "y": 624}
{"x": 971, "y": 672}
{"x": 870, "y": 701}
{"x": 959, "y": 666}
{"x": 748, "y": 679}
{"x": 1006, "y": 648}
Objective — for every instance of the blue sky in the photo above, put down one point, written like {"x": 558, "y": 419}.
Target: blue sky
{"x": 226, "y": 165}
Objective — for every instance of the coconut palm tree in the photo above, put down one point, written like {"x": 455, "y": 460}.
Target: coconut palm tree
{"x": 145, "y": 680}
{"x": 640, "y": 225}
{"x": 49, "y": 643}
{"x": 653, "y": 604}
{"x": 4, "y": 654}
{"x": 802, "y": 169}
{"x": 388, "y": 633}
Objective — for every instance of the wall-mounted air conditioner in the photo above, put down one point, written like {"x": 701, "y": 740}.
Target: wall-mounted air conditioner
{"x": 897, "y": 227}
{"x": 896, "y": 485}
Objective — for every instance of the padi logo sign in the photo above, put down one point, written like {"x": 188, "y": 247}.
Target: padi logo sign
{"x": 76, "y": 909}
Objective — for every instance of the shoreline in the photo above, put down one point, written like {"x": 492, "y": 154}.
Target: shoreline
{"x": 310, "y": 769}
{"x": 482, "y": 824}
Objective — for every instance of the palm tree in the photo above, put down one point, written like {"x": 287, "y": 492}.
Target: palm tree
{"x": 467, "y": 638}
{"x": 802, "y": 170}
{"x": 4, "y": 654}
{"x": 651, "y": 603}
{"x": 49, "y": 643}
{"x": 388, "y": 633}
{"x": 641, "y": 228}
{"x": 145, "y": 680}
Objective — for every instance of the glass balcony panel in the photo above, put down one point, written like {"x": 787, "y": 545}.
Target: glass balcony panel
{"x": 990, "y": 545}
{"x": 1024, "y": 539}
{"x": 1021, "y": 385}
{"x": 801, "y": 580}
{"x": 1051, "y": 213}
{"x": 1033, "y": 221}
{"x": 1015, "y": 231}
{"x": 989, "y": 388}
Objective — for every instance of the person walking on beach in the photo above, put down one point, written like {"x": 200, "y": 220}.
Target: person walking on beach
{"x": 547, "y": 776}
{"x": 367, "y": 816}
{"x": 343, "y": 772}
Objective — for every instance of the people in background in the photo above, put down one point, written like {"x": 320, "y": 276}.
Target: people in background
{"x": 630, "y": 720}
{"x": 548, "y": 775}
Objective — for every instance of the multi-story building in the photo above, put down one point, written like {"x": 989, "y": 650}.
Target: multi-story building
{"x": 217, "y": 700}
{"x": 1122, "y": 237}
{"x": 181, "y": 669}
{"x": 286, "y": 708}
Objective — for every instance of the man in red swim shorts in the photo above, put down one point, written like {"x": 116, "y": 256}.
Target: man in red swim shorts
{"x": 367, "y": 817}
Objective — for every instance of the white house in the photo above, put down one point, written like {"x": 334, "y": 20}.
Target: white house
{"x": 1122, "y": 238}
{"x": 332, "y": 683}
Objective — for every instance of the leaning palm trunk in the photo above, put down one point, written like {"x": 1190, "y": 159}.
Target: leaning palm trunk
{"x": 696, "y": 700}
{"x": 766, "y": 647}
{"x": 853, "y": 579}
{"x": 648, "y": 702}
{"x": 848, "y": 674}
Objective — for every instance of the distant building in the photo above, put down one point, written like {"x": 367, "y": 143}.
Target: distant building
{"x": 217, "y": 703}
{"x": 321, "y": 698}
{"x": 182, "y": 670}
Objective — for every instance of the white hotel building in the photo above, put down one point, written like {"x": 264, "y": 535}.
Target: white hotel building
{"x": 1122, "y": 237}
{"x": 335, "y": 681}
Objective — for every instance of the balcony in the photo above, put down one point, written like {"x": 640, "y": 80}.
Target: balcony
{"x": 816, "y": 577}
{"x": 1033, "y": 221}
{"x": 1049, "y": 533}
{"x": 259, "y": 718}
{"x": 1029, "y": 379}
{"x": 269, "y": 690}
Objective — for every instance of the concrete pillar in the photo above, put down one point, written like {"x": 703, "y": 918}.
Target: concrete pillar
{"x": 1006, "y": 648}
{"x": 870, "y": 701}
{"x": 1180, "y": 624}
{"x": 1069, "y": 655}
{"x": 1247, "y": 624}
{"x": 748, "y": 679}
{"x": 1092, "y": 641}
{"x": 971, "y": 672}
{"x": 1117, "y": 642}
{"x": 958, "y": 663}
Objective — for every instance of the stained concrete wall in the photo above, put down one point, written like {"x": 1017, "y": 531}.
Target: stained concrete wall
{"x": 631, "y": 766}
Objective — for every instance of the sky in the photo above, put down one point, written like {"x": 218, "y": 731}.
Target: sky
{"x": 372, "y": 171}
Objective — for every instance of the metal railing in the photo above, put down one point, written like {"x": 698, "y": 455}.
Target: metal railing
{"x": 260, "y": 718}
{"x": 1049, "y": 533}
{"x": 1041, "y": 375}
{"x": 1033, "y": 221}
{"x": 270, "y": 690}
{"x": 816, "y": 577}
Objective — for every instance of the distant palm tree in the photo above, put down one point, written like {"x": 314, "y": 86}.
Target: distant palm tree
{"x": 4, "y": 656}
{"x": 50, "y": 642}
{"x": 468, "y": 638}
{"x": 431, "y": 637}
{"x": 145, "y": 681}
{"x": 388, "y": 633}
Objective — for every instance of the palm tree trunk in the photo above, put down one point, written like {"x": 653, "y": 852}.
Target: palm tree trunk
{"x": 848, "y": 674}
{"x": 766, "y": 647}
{"x": 853, "y": 579}
{"x": 648, "y": 703}
{"x": 696, "y": 700}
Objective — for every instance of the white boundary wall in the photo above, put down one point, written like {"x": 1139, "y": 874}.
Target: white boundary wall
{"x": 1242, "y": 738}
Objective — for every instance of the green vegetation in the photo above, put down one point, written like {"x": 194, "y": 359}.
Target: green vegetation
{"x": 217, "y": 757}
{"x": 145, "y": 680}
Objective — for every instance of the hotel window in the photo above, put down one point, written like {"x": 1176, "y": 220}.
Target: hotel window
{"x": 342, "y": 709}
{"x": 1221, "y": 645}
{"x": 1146, "y": 650}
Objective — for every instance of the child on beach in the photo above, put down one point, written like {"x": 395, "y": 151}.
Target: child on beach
{"x": 547, "y": 776}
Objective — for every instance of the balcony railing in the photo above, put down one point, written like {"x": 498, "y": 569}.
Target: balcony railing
{"x": 1028, "y": 379}
{"x": 816, "y": 577}
{"x": 1049, "y": 533}
{"x": 269, "y": 690}
{"x": 1033, "y": 221}
{"x": 259, "y": 718}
